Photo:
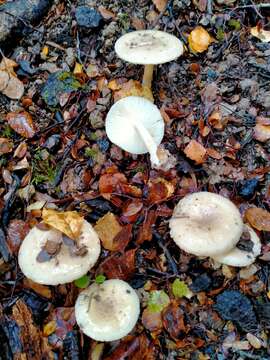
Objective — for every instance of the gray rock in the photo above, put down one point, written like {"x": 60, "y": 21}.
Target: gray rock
{"x": 88, "y": 17}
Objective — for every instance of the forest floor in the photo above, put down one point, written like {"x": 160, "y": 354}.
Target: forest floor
{"x": 54, "y": 152}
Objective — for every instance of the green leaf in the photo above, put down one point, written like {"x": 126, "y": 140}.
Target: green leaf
{"x": 179, "y": 288}
{"x": 82, "y": 282}
{"x": 220, "y": 34}
{"x": 235, "y": 24}
{"x": 100, "y": 279}
{"x": 158, "y": 300}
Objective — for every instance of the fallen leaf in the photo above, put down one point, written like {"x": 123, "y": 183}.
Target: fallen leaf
{"x": 179, "y": 288}
{"x": 8, "y": 66}
{"x": 4, "y": 78}
{"x": 258, "y": 32}
{"x": 109, "y": 183}
{"x": 49, "y": 328}
{"x": 92, "y": 71}
{"x": 5, "y": 146}
{"x": 11, "y": 86}
{"x": 158, "y": 300}
{"x": 137, "y": 23}
{"x": 105, "y": 13}
{"x": 133, "y": 88}
{"x": 78, "y": 69}
{"x": 215, "y": 120}
{"x": 68, "y": 222}
{"x": 214, "y": 153}
{"x": 262, "y": 129}
{"x": 22, "y": 123}
{"x": 42, "y": 290}
{"x": 21, "y": 150}
{"x": 45, "y": 52}
{"x": 107, "y": 228}
{"x": 159, "y": 189}
{"x": 173, "y": 320}
{"x": 146, "y": 230}
{"x": 119, "y": 265}
{"x": 152, "y": 321}
{"x": 131, "y": 211}
{"x": 199, "y": 39}
{"x": 160, "y": 4}
{"x": 16, "y": 232}
{"x": 258, "y": 218}
{"x": 195, "y": 151}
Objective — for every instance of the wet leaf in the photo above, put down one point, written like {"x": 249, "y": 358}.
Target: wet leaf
{"x": 260, "y": 33}
{"x": 133, "y": 88}
{"x": 258, "y": 218}
{"x": 199, "y": 39}
{"x": 16, "y": 232}
{"x": 179, "y": 288}
{"x": 173, "y": 320}
{"x": 119, "y": 266}
{"x": 105, "y": 13}
{"x": 42, "y": 290}
{"x": 100, "y": 279}
{"x": 159, "y": 189}
{"x": 5, "y": 146}
{"x": 158, "y": 300}
{"x": 22, "y": 123}
{"x": 108, "y": 183}
{"x": 82, "y": 282}
{"x": 122, "y": 239}
{"x": 152, "y": 321}
{"x": 131, "y": 211}
{"x": 68, "y": 222}
{"x": 195, "y": 151}
{"x": 107, "y": 228}
{"x": 146, "y": 232}
{"x": 160, "y": 4}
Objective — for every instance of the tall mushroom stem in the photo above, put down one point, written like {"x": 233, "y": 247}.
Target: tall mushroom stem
{"x": 148, "y": 75}
{"x": 149, "y": 143}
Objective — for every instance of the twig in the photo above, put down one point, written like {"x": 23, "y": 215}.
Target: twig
{"x": 166, "y": 252}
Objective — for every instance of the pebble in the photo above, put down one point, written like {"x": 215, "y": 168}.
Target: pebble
{"x": 88, "y": 17}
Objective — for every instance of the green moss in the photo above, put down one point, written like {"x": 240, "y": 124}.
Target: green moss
{"x": 91, "y": 153}
{"x": 7, "y": 132}
{"x": 124, "y": 20}
{"x": 43, "y": 171}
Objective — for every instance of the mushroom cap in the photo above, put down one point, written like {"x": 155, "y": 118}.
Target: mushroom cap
{"x": 241, "y": 258}
{"x": 121, "y": 123}
{"x": 63, "y": 268}
{"x": 148, "y": 47}
{"x": 206, "y": 224}
{"x": 109, "y": 311}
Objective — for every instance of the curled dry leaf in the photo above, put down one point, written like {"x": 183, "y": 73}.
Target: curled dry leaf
{"x": 107, "y": 228}
{"x": 145, "y": 232}
{"x": 262, "y": 129}
{"x": 260, "y": 33}
{"x": 133, "y": 88}
{"x": 68, "y": 222}
{"x": 258, "y": 218}
{"x": 4, "y": 78}
{"x": 105, "y": 13}
{"x": 199, "y": 40}
{"x": 22, "y": 123}
{"x": 14, "y": 89}
{"x": 195, "y": 151}
{"x": 5, "y": 146}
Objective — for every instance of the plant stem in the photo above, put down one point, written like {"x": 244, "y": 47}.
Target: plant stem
{"x": 148, "y": 75}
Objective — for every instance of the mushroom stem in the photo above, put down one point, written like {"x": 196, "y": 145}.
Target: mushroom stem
{"x": 149, "y": 143}
{"x": 148, "y": 75}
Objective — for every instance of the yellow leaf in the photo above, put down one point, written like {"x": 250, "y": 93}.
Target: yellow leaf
{"x": 8, "y": 65}
{"x": 199, "y": 39}
{"x": 68, "y": 222}
{"x": 44, "y": 52}
{"x": 261, "y": 34}
{"x": 133, "y": 88}
{"x": 49, "y": 328}
{"x": 78, "y": 68}
{"x": 107, "y": 228}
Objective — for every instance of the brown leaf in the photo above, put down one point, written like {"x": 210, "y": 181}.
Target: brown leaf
{"x": 151, "y": 320}
{"x": 119, "y": 266}
{"x": 173, "y": 320}
{"x": 215, "y": 120}
{"x": 131, "y": 210}
{"x": 214, "y": 154}
{"x": 68, "y": 222}
{"x": 122, "y": 239}
{"x": 195, "y": 151}
{"x": 145, "y": 231}
{"x": 22, "y": 123}
{"x": 159, "y": 189}
{"x": 199, "y": 39}
{"x": 125, "y": 349}
{"x": 130, "y": 190}
{"x": 107, "y": 228}
{"x": 108, "y": 183}
{"x": 133, "y": 88}
{"x": 4, "y": 78}
{"x": 258, "y": 218}
{"x": 5, "y": 146}
{"x": 42, "y": 290}
{"x": 105, "y": 13}
{"x": 21, "y": 150}
{"x": 137, "y": 23}
{"x": 16, "y": 232}
{"x": 160, "y": 4}
{"x": 76, "y": 179}
{"x": 262, "y": 129}
{"x": 14, "y": 89}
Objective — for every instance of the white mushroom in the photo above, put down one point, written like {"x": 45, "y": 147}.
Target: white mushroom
{"x": 148, "y": 47}
{"x": 237, "y": 257}
{"x": 206, "y": 224}
{"x": 109, "y": 311}
{"x": 136, "y": 125}
{"x": 64, "y": 267}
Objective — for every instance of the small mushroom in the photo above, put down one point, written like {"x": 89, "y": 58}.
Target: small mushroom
{"x": 63, "y": 267}
{"x": 238, "y": 257}
{"x": 109, "y": 311}
{"x": 148, "y": 47}
{"x": 206, "y": 224}
{"x": 136, "y": 125}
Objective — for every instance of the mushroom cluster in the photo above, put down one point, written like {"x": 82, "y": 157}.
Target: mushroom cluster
{"x": 208, "y": 224}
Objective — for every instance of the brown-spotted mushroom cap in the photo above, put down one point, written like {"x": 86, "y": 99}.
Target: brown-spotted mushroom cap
{"x": 206, "y": 224}
{"x": 241, "y": 258}
{"x": 64, "y": 267}
{"x": 148, "y": 47}
{"x": 109, "y": 311}
{"x": 135, "y": 124}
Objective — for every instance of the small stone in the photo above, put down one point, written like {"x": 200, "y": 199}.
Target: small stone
{"x": 88, "y": 17}
{"x": 254, "y": 341}
{"x": 201, "y": 283}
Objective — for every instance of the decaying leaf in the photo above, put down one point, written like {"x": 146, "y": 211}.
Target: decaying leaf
{"x": 133, "y": 88}
{"x": 68, "y": 222}
{"x": 105, "y": 13}
{"x": 195, "y": 151}
{"x": 17, "y": 230}
{"x": 152, "y": 321}
{"x": 159, "y": 189}
{"x": 160, "y": 4}
{"x": 146, "y": 230}
{"x": 173, "y": 320}
{"x": 119, "y": 266}
{"x": 22, "y": 123}
{"x": 260, "y": 33}
{"x": 107, "y": 228}
{"x": 10, "y": 85}
{"x": 5, "y": 146}
{"x": 109, "y": 183}
{"x": 258, "y": 218}
{"x": 262, "y": 129}
{"x": 199, "y": 40}
{"x": 42, "y": 290}
{"x": 131, "y": 211}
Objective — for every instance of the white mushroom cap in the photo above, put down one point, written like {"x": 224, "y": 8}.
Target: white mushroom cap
{"x": 206, "y": 224}
{"x": 237, "y": 257}
{"x": 109, "y": 311}
{"x": 136, "y": 125}
{"x": 63, "y": 268}
{"x": 148, "y": 47}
